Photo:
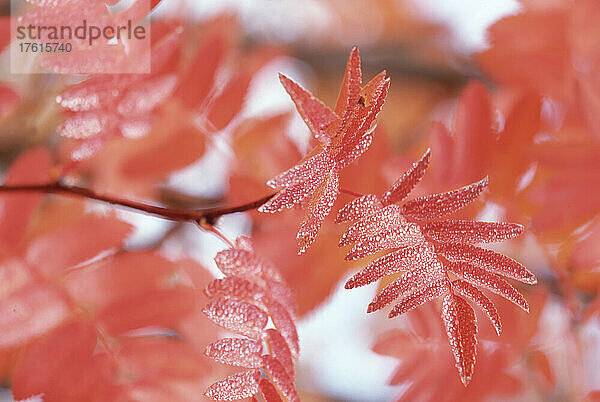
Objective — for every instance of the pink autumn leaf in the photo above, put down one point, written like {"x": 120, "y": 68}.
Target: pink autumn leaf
{"x": 345, "y": 134}
{"x": 236, "y": 386}
{"x": 424, "y": 250}
{"x": 236, "y": 352}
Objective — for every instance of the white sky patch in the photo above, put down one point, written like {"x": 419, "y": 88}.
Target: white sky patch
{"x": 206, "y": 177}
{"x": 335, "y": 350}
{"x": 468, "y": 19}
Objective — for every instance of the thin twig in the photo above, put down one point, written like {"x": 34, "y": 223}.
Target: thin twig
{"x": 207, "y": 216}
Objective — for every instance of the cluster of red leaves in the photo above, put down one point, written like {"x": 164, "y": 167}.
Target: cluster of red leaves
{"x": 100, "y": 56}
{"x": 507, "y": 364}
{"x": 550, "y": 136}
{"x": 429, "y": 251}
{"x": 344, "y": 133}
{"x": 251, "y": 293}
{"x": 128, "y": 128}
{"x": 261, "y": 153}
{"x": 84, "y": 319}
{"x": 561, "y": 59}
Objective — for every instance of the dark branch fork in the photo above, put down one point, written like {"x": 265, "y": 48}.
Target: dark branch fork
{"x": 202, "y": 217}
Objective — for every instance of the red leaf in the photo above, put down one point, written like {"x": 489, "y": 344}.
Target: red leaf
{"x": 229, "y": 102}
{"x": 195, "y": 85}
{"x": 290, "y": 196}
{"x": 469, "y": 291}
{"x": 237, "y": 386}
{"x": 70, "y": 370}
{"x": 69, "y": 246}
{"x": 285, "y": 325}
{"x": 280, "y": 378}
{"x": 159, "y": 359}
{"x": 461, "y": 329}
{"x": 237, "y": 316}
{"x": 403, "y": 186}
{"x": 32, "y": 167}
{"x": 351, "y": 84}
{"x": 268, "y": 391}
{"x": 350, "y": 135}
{"x": 237, "y": 288}
{"x": 121, "y": 278}
{"x": 157, "y": 158}
{"x": 164, "y": 308}
{"x": 471, "y": 232}
{"x": 370, "y": 225}
{"x": 325, "y": 197}
{"x": 316, "y": 115}
{"x": 439, "y": 205}
{"x": 236, "y": 352}
{"x": 359, "y": 135}
{"x": 431, "y": 291}
{"x": 401, "y": 260}
{"x": 303, "y": 171}
{"x": 474, "y": 136}
{"x": 359, "y": 208}
{"x": 480, "y": 277}
{"x": 407, "y": 235}
{"x": 409, "y": 282}
{"x": 487, "y": 259}
{"x": 280, "y": 350}
{"x": 30, "y": 312}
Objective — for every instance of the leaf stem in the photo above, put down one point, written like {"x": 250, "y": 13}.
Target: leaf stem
{"x": 202, "y": 217}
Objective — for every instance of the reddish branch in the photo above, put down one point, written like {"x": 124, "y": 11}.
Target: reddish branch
{"x": 205, "y": 216}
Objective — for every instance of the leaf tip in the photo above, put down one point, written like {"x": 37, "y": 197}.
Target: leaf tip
{"x": 465, "y": 379}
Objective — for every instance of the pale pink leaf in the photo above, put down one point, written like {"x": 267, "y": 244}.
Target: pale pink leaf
{"x": 290, "y": 196}
{"x": 372, "y": 224}
{"x": 236, "y": 352}
{"x": 359, "y": 208}
{"x": 237, "y": 386}
{"x": 237, "y": 316}
{"x": 235, "y": 287}
{"x": 282, "y": 292}
{"x": 313, "y": 166}
{"x": 29, "y": 312}
{"x": 400, "y": 236}
{"x": 244, "y": 243}
{"x": 146, "y": 96}
{"x": 439, "y": 205}
{"x": 246, "y": 264}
